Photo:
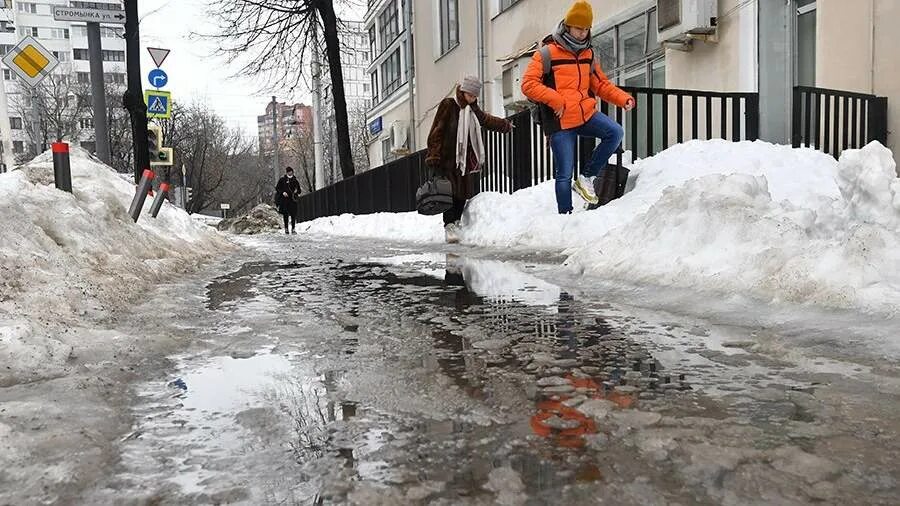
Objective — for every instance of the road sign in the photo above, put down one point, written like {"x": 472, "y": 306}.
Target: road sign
{"x": 159, "y": 104}
{"x": 224, "y": 206}
{"x": 158, "y": 78}
{"x": 65, "y": 13}
{"x": 159, "y": 55}
{"x": 31, "y": 61}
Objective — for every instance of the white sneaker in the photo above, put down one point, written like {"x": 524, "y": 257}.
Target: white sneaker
{"x": 584, "y": 187}
{"x": 451, "y": 232}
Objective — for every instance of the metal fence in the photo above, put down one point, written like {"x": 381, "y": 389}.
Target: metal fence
{"x": 834, "y": 120}
{"x": 523, "y": 158}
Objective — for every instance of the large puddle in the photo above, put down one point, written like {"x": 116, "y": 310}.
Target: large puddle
{"x": 441, "y": 379}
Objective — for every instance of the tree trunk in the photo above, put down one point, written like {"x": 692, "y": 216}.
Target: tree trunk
{"x": 333, "y": 52}
{"x": 133, "y": 100}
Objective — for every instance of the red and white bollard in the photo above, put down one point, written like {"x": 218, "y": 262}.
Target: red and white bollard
{"x": 137, "y": 204}
{"x": 159, "y": 199}
{"x": 62, "y": 170}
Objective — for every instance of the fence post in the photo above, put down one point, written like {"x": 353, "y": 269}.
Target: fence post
{"x": 752, "y": 118}
{"x": 878, "y": 107}
{"x": 521, "y": 152}
{"x": 796, "y": 120}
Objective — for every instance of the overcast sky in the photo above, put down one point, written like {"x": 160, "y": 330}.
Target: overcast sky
{"x": 195, "y": 74}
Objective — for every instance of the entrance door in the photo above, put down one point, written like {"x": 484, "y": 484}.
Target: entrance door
{"x": 805, "y": 47}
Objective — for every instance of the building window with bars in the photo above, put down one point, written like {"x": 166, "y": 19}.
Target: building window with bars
{"x": 27, "y": 7}
{"x": 86, "y": 123}
{"x": 448, "y": 24}
{"x": 15, "y": 123}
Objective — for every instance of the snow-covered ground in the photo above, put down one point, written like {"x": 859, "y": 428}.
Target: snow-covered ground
{"x": 66, "y": 259}
{"x": 749, "y": 218}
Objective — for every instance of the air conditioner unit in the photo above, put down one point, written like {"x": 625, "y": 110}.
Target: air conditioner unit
{"x": 400, "y": 138}
{"x": 678, "y": 20}
{"x": 513, "y": 98}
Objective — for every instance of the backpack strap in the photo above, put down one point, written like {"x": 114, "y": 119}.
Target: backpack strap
{"x": 545, "y": 59}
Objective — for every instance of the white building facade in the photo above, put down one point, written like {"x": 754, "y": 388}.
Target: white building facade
{"x": 68, "y": 42}
{"x": 388, "y": 118}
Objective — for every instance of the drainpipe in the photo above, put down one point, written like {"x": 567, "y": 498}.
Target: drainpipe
{"x": 410, "y": 74}
{"x": 872, "y": 48}
{"x": 481, "y": 53}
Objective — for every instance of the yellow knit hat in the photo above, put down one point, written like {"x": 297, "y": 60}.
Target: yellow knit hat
{"x": 581, "y": 15}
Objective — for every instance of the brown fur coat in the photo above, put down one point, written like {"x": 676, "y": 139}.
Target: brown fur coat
{"x": 441, "y": 154}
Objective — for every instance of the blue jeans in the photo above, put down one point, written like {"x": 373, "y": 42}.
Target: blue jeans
{"x": 563, "y": 144}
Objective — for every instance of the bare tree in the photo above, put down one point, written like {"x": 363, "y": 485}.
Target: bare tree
{"x": 60, "y": 103}
{"x": 272, "y": 38}
{"x": 299, "y": 154}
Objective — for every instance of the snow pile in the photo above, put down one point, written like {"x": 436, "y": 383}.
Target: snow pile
{"x": 262, "y": 218}
{"x": 750, "y": 218}
{"x": 410, "y": 227}
{"x": 65, "y": 257}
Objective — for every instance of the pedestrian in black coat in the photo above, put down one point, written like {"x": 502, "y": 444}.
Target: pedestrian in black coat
{"x": 287, "y": 191}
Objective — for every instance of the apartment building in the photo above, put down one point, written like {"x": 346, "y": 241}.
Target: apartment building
{"x": 388, "y": 118}
{"x": 764, "y": 46}
{"x": 289, "y": 119}
{"x": 355, "y": 57}
{"x": 68, "y": 42}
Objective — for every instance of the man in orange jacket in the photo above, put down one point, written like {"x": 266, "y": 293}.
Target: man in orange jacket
{"x": 570, "y": 90}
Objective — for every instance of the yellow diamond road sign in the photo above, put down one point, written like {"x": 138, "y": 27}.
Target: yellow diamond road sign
{"x": 30, "y": 61}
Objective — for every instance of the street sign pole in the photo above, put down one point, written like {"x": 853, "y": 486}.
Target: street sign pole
{"x": 101, "y": 133}
{"x": 6, "y": 131}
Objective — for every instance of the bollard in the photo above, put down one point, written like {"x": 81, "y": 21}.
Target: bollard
{"x": 137, "y": 204}
{"x": 159, "y": 199}
{"x": 62, "y": 170}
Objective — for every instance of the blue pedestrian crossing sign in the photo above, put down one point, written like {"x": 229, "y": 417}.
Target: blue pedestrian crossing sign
{"x": 159, "y": 104}
{"x": 158, "y": 78}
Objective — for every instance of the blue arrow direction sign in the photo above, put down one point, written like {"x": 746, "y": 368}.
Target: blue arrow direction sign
{"x": 158, "y": 78}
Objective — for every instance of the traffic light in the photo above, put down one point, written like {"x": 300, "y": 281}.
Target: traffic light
{"x": 189, "y": 193}
{"x": 154, "y": 142}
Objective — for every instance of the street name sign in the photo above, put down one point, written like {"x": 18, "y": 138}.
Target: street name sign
{"x": 30, "y": 61}
{"x": 224, "y": 207}
{"x": 65, "y": 13}
{"x": 159, "y": 104}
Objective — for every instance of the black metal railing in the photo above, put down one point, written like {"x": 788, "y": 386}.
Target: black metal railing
{"x": 833, "y": 120}
{"x": 522, "y": 158}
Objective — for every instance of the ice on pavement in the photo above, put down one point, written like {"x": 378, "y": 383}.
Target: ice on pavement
{"x": 66, "y": 257}
{"x": 754, "y": 218}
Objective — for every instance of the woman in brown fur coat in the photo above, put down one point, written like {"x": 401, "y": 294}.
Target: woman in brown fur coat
{"x": 456, "y": 147}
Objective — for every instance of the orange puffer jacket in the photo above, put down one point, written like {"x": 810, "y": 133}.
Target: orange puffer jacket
{"x": 578, "y": 80}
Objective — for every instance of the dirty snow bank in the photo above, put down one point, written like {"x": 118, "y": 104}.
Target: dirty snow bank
{"x": 777, "y": 223}
{"x": 69, "y": 257}
{"x": 262, "y": 218}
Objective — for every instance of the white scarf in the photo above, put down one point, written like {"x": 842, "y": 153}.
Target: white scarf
{"x": 469, "y": 128}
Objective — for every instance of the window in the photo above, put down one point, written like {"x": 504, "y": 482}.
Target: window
{"x": 6, "y": 4}
{"x": 806, "y": 42}
{"x": 80, "y": 54}
{"x": 629, "y": 49}
{"x": 390, "y": 74}
{"x": 448, "y": 21}
{"x": 114, "y": 78}
{"x": 86, "y": 123}
{"x": 97, "y": 5}
{"x": 109, "y": 55}
{"x": 6, "y": 27}
{"x": 386, "y": 154}
{"x": 506, "y": 4}
{"x": 84, "y": 78}
{"x": 372, "y": 40}
{"x": 28, "y": 31}
{"x": 7, "y": 75}
{"x": 18, "y": 147}
{"x": 374, "y": 77}
{"x": 15, "y": 123}
{"x": 28, "y": 7}
{"x": 105, "y": 32}
{"x": 5, "y": 48}
{"x": 388, "y": 24}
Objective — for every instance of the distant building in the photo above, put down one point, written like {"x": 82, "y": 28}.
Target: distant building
{"x": 292, "y": 119}
{"x": 358, "y": 91}
{"x": 68, "y": 42}
{"x": 388, "y": 116}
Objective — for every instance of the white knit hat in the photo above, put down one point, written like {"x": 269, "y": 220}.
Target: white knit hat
{"x": 471, "y": 84}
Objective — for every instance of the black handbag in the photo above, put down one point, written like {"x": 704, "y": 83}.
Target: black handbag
{"x": 435, "y": 196}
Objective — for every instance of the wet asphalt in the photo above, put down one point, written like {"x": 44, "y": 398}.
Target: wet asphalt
{"x": 355, "y": 372}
